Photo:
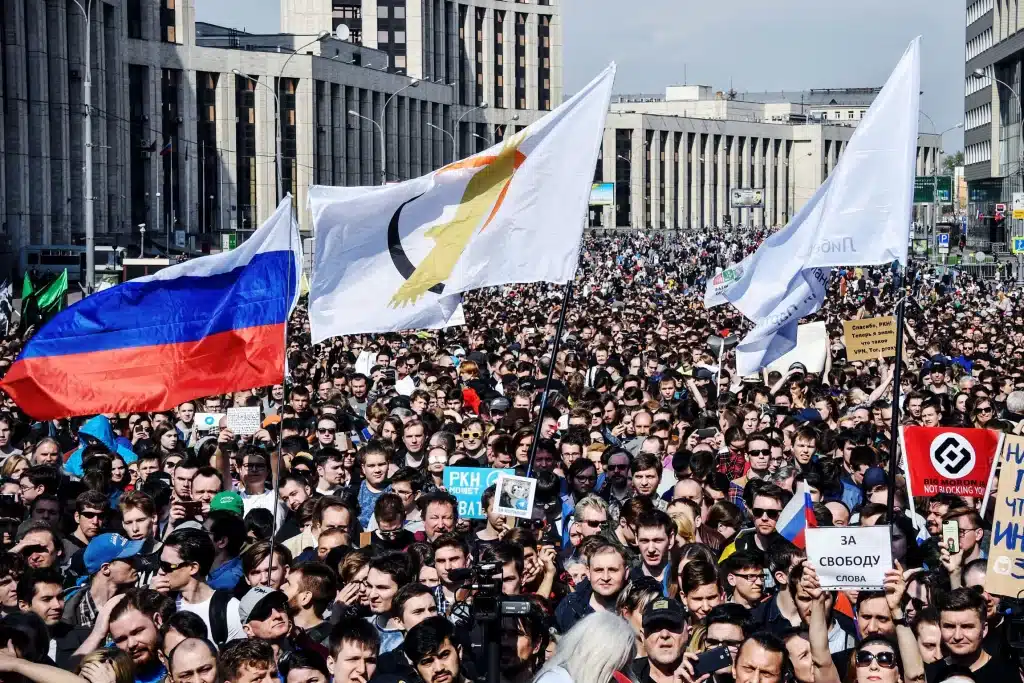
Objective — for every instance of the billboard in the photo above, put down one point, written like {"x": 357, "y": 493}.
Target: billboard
{"x": 602, "y": 194}
{"x": 743, "y": 198}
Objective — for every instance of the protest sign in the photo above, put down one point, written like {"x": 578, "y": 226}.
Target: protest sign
{"x": 207, "y": 422}
{"x": 811, "y": 348}
{"x": 849, "y": 557}
{"x": 244, "y": 421}
{"x": 514, "y": 496}
{"x": 949, "y": 460}
{"x": 1005, "y": 574}
{"x": 467, "y": 484}
{"x": 870, "y": 338}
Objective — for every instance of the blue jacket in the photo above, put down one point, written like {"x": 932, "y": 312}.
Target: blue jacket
{"x": 574, "y": 607}
{"x": 99, "y": 429}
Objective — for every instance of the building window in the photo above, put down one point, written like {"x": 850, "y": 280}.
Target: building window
{"x": 399, "y": 37}
{"x": 398, "y": 12}
{"x": 383, "y": 37}
{"x": 399, "y": 61}
{"x": 849, "y": 114}
{"x": 382, "y": 11}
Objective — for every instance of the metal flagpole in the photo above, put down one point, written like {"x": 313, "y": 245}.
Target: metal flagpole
{"x": 896, "y": 379}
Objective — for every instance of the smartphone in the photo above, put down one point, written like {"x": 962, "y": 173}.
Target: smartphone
{"x": 192, "y": 507}
{"x": 708, "y": 433}
{"x": 711, "y": 661}
{"x": 951, "y": 536}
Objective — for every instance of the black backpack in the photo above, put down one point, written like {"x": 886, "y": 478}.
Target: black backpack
{"x": 219, "y": 617}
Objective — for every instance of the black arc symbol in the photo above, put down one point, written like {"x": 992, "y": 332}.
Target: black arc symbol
{"x": 398, "y": 257}
{"x": 952, "y": 457}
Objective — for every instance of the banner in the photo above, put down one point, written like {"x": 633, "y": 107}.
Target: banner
{"x": 811, "y": 349}
{"x": 1005, "y": 574}
{"x": 949, "y": 460}
{"x": 467, "y": 484}
{"x": 746, "y": 198}
{"x": 870, "y": 338}
{"x": 602, "y": 194}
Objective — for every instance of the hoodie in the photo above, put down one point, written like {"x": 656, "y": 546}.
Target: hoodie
{"x": 98, "y": 428}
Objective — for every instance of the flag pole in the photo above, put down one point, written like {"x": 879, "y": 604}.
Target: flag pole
{"x": 896, "y": 380}
{"x": 276, "y": 470}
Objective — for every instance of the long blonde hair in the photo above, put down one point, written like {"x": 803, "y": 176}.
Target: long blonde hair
{"x": 124, "y": 667}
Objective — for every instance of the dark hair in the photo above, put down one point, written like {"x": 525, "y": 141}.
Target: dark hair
{"x": 194, "y": 545}
{"x": 43, "y": 475}
{"x": 770, "y": 642}
{"x": 224, "y": 524}
{"x": 407, "y": 593}
{"x": 452, "y": 540}
{"x": 260, "y": 523}
{"x": 427, "y": 638}
{"x": 321, "y": 581}
{"x": 245, "y": 652}
{"x": 146, "y": 601}
{"x": 742, "y": 559}
{"x": 957, "y": 600}
{"x": 31, "y": 578}
{"x": 698, "y": 573}
{"x": 302, "y": 659}
{"x": 254, "y": 555}
{"x": 645, "y": 461}
{"x": 774, "y": 492}
{"x": 504, "y": 552}
{"x": 188, "y": 624}
{"x": 28, "y": 632}
{"x": 654, "y": 519}
{"x": 780, "y": 556}
{"x": 438, "y": 496}
{"x": 730, "y": 613}
{"x": 395, "y": 565}
{"x": 354, "y": 629}
{"x": 389, "y": 508}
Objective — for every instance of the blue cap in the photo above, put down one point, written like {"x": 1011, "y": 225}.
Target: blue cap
{"x": 107, "y": 548}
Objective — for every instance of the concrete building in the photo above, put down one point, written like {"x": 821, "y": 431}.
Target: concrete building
{"x": 993, "y": 149}
{"x": 676, "y": 159}
{"x": 505, "y": 54}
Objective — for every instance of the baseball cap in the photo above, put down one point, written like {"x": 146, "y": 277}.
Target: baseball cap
{"x": 228, "y": 500}
{"x": 257, "y": 603}
{"x": 664, "y": 612}
{"x": 875, "y": 476}
{"x": 499, "y": 404}
{"x": 808, "y": 415}
{"x": 107, "y": 548}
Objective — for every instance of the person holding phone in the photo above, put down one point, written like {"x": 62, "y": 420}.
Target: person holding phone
{"x": 665, "y": 634}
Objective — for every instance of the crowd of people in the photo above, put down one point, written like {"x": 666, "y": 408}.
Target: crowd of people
{"x": 146, "y": 547}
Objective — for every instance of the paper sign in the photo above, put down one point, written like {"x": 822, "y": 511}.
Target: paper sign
{"x": 514, "y": 496}
{"x": 467, "y": 484}
{"x": 244, "y": 421}
{"x": 811, "y": 347}
{"x": 207, "y": 422}
{"x": 868, "y": 339}
{"x": 850, "y": 557}
{"x": 1005, "y": 574}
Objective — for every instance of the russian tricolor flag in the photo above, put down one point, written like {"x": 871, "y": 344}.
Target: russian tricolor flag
{"x": 797, "y": 516}
{"x": 208, "y": 326}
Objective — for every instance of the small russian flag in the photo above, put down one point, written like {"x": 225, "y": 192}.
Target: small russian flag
{"x": 167, "y": 148}
{"x": 797, "y": 516}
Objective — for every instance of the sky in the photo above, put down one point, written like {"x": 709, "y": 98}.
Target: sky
{"x": 751, "y": 45}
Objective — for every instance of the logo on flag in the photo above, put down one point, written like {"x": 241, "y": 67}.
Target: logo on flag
{"x": 952, "y": 455}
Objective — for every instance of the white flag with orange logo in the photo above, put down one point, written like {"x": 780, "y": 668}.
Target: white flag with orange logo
{"x": 398, "y": 257}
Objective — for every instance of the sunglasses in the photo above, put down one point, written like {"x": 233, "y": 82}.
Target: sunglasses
{"x": 472, "y": 435}
{"x": 886, "y": 660}
{"x": 762, "y": 512}
{"x": 167, "y": 567}
{"x": 90, "y": 515}
{"x": 326, "y": 430}
{"x": 759, "y": 451}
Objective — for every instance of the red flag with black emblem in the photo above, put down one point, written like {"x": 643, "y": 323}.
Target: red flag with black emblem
{"x": 949, "y": 460}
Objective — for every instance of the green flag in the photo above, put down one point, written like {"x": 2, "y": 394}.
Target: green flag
{"x": 26, "y": 286}
{"x": 42, "y": 304}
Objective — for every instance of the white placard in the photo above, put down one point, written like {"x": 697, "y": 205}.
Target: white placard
{"x": 207, "y": 422}
{"x": 850, "y": 557}
{"x": 811, "y": 348}
{"x": 514, "y": 496}
{"x": 244, "y": 421}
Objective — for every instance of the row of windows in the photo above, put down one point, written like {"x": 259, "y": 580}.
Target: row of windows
{"x": 973, "y": 84}
{"x": 977, "y": 10}
{"x": 978, "y": 44}
{"x": 979, "y": 116}
{"x": 385, "y": 12}
{"x": 1007, "y": 18}
{"x": 978, "y": 152}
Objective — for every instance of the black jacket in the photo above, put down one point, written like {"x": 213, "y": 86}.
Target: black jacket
{"x": 574, "y": 607}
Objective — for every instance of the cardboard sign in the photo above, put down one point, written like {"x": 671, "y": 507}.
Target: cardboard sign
{"x": 811, "y": 348}
{"x": 1005, "y": 574}
{"x": 244, "y": 421}
{"x": 467, "y": 484}
{"x": 207, "y": 422}
{"x": 870, "y": 338}
{"x": 949, "y": 460}
{"x": 853, "y": 557}
{"x": 514, "y": 496}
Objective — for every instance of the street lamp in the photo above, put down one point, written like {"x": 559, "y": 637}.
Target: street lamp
{"x": 515, "y": 117}
{"x": 452, "y": 137}
{"x": 458, "y": 122}
{"x": 981, "y": 75}
{"x": 383, "y": 152}
{"x": 87, "y": 209}
{"x": 142, "y": 240}
{"x": 383, "y": 122}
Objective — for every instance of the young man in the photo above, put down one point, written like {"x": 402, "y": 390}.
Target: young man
{"x": 700, "y": 589}
{"x": 407, "y": 483}
{"x": 134, "y": 628}
{"x": 355, "y": 646}
{"x": 255, "y": 493}
{"x": 390, "y": 534}
{"x": 765, "y": 512}
{"x": 249, "y": 661}
{"x": 387, "y": 574}
{"x": 972, "y": 530}
{"x": 413, "y": 604}
{"x": 111, "y": 566}
{"x": 374, "y": 458}
{"x": 607, "y": 574}
{"x": 645, "y": 476}
{"x": 228, "y": 532}
{"x": 779, "y": 614}
{"x": 451, "y": 553}
{"x": 185, "y": 562}
{"x": 430, "y": 647}
{"x": 90, "y": 510}
{"x": 805, "y": 446}
{"x": 655, "y": 538}
{"x": 744, "y": 574}
{"x": 963, "y": 626}
{"x": 311, "y": 587}
{"x": 330, "y": 466}
{"x": 39, "y": 593}
{"x": 758, "y": 453}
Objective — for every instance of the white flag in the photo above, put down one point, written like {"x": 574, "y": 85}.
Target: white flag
{"x": 397, "y": 257}
{"x": 857, "y": 217}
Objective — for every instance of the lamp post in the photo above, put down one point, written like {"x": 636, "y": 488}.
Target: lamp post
{"x": 383, "y": 152}
{"x": 383, "y": 122}
{"x": 979, "y": 74}
{"x": 515, "y": 117}
{"x": 87, "y": 209}
{"x": 630, "y": 163}
{"x": 452, "y": 137}
{"x": 458, "y": 122}
{"x": 142, "y": 240}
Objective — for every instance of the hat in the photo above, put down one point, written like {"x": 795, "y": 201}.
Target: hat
{"x": 189, "y": 524}
{"x": 798, "y": 366}
{"x": 681, "y": 461}
{"x": 703, "y": 373}
{"x": 228, "y": 500}
{"x": 257, "y": 602}
{"x": 875, "y": 476}
{"x": 664, "y": 612}
{"x": 499, "y": 404}
{"x": 807, "y": 415}
{"x": 107, "y": 548}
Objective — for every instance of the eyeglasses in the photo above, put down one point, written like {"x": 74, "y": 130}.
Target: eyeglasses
{"x": 326, "y": 430}
{"x": 167, "y": 567}
{"x": 762, "y": 512}
{"x": 592, "y": 523}
{"x": 585, "y": 478}
{"x": 967, "y": 530}
{"x": 759, "y": 451}
{"x": 472, "y": 435}
{"x": 722, "y": 642}
{"x": 254, "y": 467}
{"x": 751, "y": 577}
{"x": 886, "y": 660}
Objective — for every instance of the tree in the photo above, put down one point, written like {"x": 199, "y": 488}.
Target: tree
{"x": 951, "y": 162}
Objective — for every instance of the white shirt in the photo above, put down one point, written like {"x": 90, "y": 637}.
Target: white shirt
{"x": 555, "y": 675}
{"x": 202, "y": 609}
{"x": 263, "y": 500}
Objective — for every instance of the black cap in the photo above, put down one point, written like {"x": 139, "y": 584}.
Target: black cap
{"x": 664, "y": 612}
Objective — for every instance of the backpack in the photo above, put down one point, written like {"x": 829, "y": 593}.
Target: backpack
{"x": 219, "y": 617}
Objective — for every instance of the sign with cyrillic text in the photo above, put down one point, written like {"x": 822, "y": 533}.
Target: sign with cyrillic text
{"x": 1005, "y": 575}
{"x": 467, "y": 484}
{"x": 850, "y": 557}
{"x": 870, "y": 338}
